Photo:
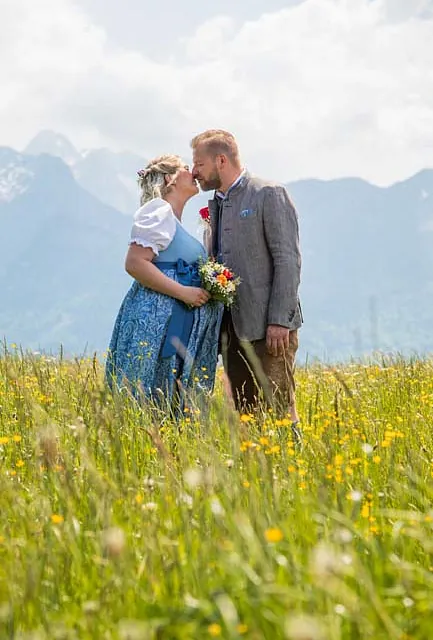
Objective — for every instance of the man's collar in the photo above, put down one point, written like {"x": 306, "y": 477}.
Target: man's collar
{"x": 238, "y": 181}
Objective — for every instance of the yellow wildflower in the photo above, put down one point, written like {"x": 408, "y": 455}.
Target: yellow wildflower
{"x": 57, "y": 519}
{"x": 214, "y": 630}
{"x": 273, "y": 534}
{"x": 365, "y": 511}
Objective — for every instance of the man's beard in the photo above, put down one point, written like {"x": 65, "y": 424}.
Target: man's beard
{"x": 212, "y": 183}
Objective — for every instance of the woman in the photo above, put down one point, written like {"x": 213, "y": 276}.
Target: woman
{"x": 166, "y": 333}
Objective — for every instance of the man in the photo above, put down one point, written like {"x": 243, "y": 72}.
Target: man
{"x": 254, "y": 231}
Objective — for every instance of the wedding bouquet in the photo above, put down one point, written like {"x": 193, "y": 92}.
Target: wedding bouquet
{"x": 219, "y": 281}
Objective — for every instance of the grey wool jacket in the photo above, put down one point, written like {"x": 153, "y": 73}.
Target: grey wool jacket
{"x": 259, "y": 241}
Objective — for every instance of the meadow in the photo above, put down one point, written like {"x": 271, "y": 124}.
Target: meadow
{"x": 118, "y": 523}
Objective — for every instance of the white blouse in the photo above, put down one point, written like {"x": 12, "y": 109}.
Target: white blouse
{"x": 154, "y": 225}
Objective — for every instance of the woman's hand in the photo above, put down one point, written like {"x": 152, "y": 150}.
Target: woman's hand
{"x": 194, "y": 296}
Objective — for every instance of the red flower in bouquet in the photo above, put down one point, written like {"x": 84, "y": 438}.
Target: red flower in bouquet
{"x": 228, "y": 274}
{"x": 204, "y": 214}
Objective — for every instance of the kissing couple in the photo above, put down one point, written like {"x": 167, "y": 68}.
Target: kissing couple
{"x": 169, "y": 331}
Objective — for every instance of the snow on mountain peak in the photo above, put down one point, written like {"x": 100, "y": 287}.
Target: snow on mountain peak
{"x": 15, "y": 179}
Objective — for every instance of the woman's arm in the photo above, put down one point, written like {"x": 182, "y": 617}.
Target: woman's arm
{"x": 139, "y": 265}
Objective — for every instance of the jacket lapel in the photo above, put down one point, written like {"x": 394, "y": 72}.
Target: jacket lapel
{"x": 213, "y": 213}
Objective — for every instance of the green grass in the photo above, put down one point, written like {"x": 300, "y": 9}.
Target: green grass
{"x": 113, "y": 527}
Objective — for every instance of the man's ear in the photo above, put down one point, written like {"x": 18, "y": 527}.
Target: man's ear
{"x": 221, "y": 161}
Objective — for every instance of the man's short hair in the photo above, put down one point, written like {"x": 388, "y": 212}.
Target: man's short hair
{"x": 217, "y": 141}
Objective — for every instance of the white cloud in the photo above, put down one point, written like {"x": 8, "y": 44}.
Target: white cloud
{"x": 210, "y": 39}
{"x": 326, "y": 88}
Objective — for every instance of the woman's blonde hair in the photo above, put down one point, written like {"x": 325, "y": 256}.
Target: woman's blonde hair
{"x": 152, "y": 178}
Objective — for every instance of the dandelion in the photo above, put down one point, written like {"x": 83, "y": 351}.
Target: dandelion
{"x": 193, "y": 478}
{"x": 150, "y": 506}
{"x": 325, "y": 562}
{"x": 242, "y": 629}
{"x": 367, "y": 449}
{"x": 214, "y": 630}
{"x": 216, "y": 507}
{"x": 246, "y": 418}
{"x": 4, "y": 440}
{"x": 303, "y": 628}
{"x": 113, "y": 540}
{"x": 365, "y": 511}
{"x": 20, "y": 463}
{"x": 344, "y": 536}
{"x": 91, "y": 606}
{"x": 57, "y": 519}
{"x": 16, "y": 438}
{"x": 273, "y": 535}
{"x": 355, "y": 496}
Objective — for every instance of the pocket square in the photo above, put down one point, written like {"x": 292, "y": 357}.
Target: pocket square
{"x": 245, "y": 213}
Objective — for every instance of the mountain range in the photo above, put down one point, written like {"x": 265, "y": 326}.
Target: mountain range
{"x": 65, "y": 216}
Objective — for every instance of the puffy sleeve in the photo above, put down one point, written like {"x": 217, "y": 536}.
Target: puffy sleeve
{"x": 154, "y": 225}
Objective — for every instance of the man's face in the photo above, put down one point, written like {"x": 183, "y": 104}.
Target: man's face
{"x": 205, "y": 170}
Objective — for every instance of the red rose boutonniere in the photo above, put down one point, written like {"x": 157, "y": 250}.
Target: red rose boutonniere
{"x": 205, "y": 215}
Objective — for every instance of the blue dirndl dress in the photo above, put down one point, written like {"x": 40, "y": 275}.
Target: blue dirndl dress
{"x": 157, "y": 342}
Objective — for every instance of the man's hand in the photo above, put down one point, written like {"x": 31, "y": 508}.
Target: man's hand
{"x": 277, "y": 339}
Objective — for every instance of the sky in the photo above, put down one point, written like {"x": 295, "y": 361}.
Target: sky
{"x": 310, "y": 88}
